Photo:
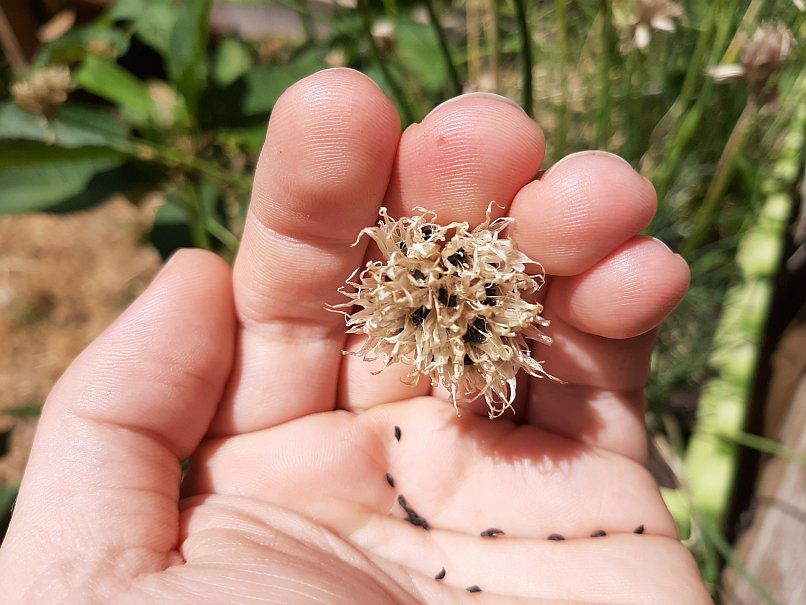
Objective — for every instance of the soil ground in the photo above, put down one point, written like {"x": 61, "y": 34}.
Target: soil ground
{"x": 63, "y": 279}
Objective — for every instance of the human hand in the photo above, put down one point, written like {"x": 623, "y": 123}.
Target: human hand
{"x": 287, "y": 499}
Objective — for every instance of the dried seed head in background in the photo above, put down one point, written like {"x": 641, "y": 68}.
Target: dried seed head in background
{"x": 763, "y": 56}
{"x": 44, "y": 90}
{"x": 653, "y": 14}
{"x": 766, "y": 52}
{"x": 451, "y": 302}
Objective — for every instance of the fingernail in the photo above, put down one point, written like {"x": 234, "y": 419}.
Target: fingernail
{"x": 664, "y": 244}
{"x": 589, "y": 154}
{"x": 477, "y": 95}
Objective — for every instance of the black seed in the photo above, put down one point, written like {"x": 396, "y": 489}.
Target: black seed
{"x": 418, "y": 275}
{"x": 468, "y": 361}
{"x": 417, "y": 521}
{"x": 402, "y": 246}
{"x": 418, "y": 317}
{"x": 457, "y": 259}
{"x": 427, "y": 232}
{"x": 390, "y": 480}
{"x": 473, "y": 588}
{"x": 492, "y": 532}
{"x": 411, "y": 515}
{"x": 639, "y": 529}
{"x": 491, "y": 292}
{"x": 598, "y": 533}
{"x": 556, "y": 537}
{"x": 397, "y": 433}
{"x": 386, "y": 278}
{"x": 477, "y": 333}
{"x": 443, "y": 298}
{"x": 440, "y": 574}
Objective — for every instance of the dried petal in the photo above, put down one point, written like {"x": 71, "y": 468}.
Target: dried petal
{"x": 653, "y": 14}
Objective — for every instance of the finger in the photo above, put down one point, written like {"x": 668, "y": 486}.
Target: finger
{"x": 603, "y": 331}
{"x": 321, "y": 178}
{"x": 469, "y": 151}
{"x": 627, "y": 293}
{"x": 584, "y": 206}
{"x": 103, "y": 478}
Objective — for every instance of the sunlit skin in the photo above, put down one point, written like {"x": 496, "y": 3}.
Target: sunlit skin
{"x": 240, "y": 370}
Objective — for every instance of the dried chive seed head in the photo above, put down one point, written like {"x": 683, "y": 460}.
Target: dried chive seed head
{"x": 453, "y": 303}
{"x": 44, "y": 90}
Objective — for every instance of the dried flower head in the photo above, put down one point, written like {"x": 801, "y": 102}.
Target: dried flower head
{"x": 762, "y": 57}
{"x": 44, "y": 90}
{"x": 653, "y": 14}
{"x": 450, "y": 301}
{"x": 766, "y": 52}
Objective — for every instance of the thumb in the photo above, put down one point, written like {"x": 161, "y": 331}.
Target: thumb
{"x": 103, "y": 477}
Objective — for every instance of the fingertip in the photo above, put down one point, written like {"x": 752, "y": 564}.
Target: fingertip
{"x": 331, "y": 138}
{"x": 628, "y": 293}
{"x": 584, "y": 207}
{"x": 468, "y": 152}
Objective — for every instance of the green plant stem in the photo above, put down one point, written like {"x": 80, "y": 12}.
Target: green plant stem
{"x": 634, "y": 106}
{"x": 198, "y": 220}
{"x": 714, "y": 537}
{"x": 681, "y": 122}
{"x": 735, "y": 46}
{"x": 562, "y": 114}
{"x": 397, "y": 91}
{"x": 527, "y": 64}
{"x": 606, "y": 62}
{"x": 442, "y": 39}
{"x": 761, "y": 444}
{"x": 172, "y": 157}
{"x": 704, "y": 218}
{"x": 223, "y": 235}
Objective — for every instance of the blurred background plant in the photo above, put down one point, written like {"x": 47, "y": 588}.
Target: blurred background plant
{"x": 707, "y": 99}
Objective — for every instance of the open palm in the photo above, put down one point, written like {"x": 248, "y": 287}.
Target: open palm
{"x": 311, "y": 478}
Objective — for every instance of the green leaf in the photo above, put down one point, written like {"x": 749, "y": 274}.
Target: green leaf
{"x": 232, "y": 60}
{"x": 74, "y": 126}
{"x": 251, "y": 137}
{"x": 155, "y": 25}
{"x": 126, "y": 10}
{"x": 171, "y": 228}
{"x": 112, "y": 82}
{"x": 32, "y": 410}
{"x": 152, "y": 20}
{"x": 36, "y": 177}
{"x": 265, "y": 83}
{"x": 73, "y": 46}
{"x": 8, "y": 494}
{"x": 185, "y": 61}
{"x": 419, "y": 52}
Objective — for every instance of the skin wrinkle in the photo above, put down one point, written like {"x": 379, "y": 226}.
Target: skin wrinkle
{"x": 262, "y": 302}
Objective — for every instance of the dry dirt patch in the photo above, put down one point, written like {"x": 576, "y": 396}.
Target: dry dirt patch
{"x": 63, "y": 279}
